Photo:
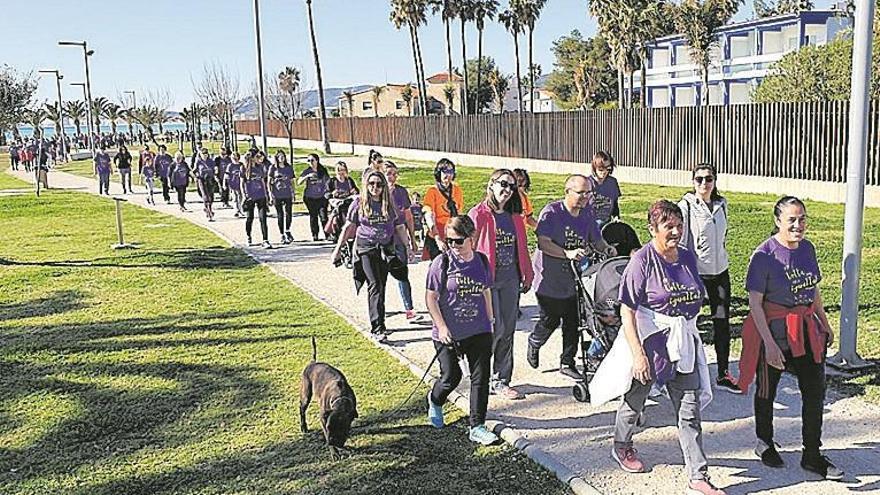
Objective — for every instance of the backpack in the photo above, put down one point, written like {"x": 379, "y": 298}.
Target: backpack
{"x": 444, "y": 266}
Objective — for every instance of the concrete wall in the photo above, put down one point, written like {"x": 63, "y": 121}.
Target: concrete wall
{"x": 815, "y": 190}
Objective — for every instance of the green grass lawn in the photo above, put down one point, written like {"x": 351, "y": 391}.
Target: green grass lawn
{"x": 9, "y": 182}
{"x": 175, "y": 368}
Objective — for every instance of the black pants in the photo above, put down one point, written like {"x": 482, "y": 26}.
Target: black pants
{"x": 718, "y": 289}
{"x": 478, "y": 350}
{"x": 181, "y": 195}
{"x": 262, "y": 208}
{"x": 552, "y": 310}
{"x": 811, "y": 382}
{"x": 284, "y": 210}
{"x": 224, "y": 193}
{"x": 207, "y": 186}
{"x": 317, "y": 214}
{"x": 165, "y": 190}
{"x": 376, "y": 271}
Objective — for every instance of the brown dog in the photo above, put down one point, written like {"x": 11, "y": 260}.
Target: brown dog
{"x": 335, "y": 398}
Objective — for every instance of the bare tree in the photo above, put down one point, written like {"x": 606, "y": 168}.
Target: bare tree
{"x": 219, "y": 91}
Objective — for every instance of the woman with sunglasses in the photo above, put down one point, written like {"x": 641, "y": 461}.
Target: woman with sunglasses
{"x": 281, "y": 190}
{"x": 705, "y": 234}
{"x": 459, "y": 299}
{"x": 606, "y": 191}
{"x": 254, "y": 184}
{"x": 787, "y": 330}
{"x": 501, "y": 236}
{"x": 400, "y": 197}
{"x": 374, "y": 221}
{"x": 316, "y": 178}
{"x": 442, "y": 201}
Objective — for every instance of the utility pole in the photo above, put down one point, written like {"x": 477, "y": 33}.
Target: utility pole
{"x": 261, "y": 86}
{"x": 58, "y": 78}
{"x": 86, "y": 54}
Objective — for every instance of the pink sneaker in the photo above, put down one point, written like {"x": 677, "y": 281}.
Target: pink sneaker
{"x": 703, "y": 487}
{"x": 627, "y": 459}
{"x": 412, "y": 315}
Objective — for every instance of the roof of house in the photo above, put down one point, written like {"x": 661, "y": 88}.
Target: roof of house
{"x": 443, "y": 78}
{"x": 369, "y": 89}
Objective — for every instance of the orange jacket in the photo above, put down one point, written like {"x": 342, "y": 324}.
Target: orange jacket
{"x": 794, "y": 321}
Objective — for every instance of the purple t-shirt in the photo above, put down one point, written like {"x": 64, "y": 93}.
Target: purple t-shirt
{"x": 205, "y": 168}
{"x": 255, "y": 187}
{"x": 461, "y": 301}
{"x": 506, "y": 268}
{"x": 180, "y": 174}
{"x": 102, "y": 163}
{"x": 316, "y": 187}
{"x": 163, "y": 164}
{"x": 342, "y": 188}
{"x": 376, "y": 229}
{"x": 400, "y": 196}
{"x": 568, "y": 232}
{"x": 233, "y": 176}
{"x": 605, "y": 196}
{"x": 785, "y": 276}
{"x": 671, "y": 289}
{"x": 148, "y": 171}
{"x": 221, "y": 163}
{"x": 281, "y": 181}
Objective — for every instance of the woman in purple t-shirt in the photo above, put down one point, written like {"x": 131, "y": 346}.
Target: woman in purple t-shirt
{"x": 459, "y": 298}
{"x": 232, "y": 177}
{"x": 787, "y": 330}
{"x": 606, "y": 191}
{"x": 180, "y": 178}
{"x": 400, "y": 198}
{"x": 206, "y": 181}
{"x": 281, "y": 189}
{"x": 316, "y": 179}
{"x": 253, "y": 183}
{"x": 373, "y": 222}
{"x": 661, "y": 294}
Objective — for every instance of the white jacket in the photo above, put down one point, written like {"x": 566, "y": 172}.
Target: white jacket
{"x": 705, "y": 233}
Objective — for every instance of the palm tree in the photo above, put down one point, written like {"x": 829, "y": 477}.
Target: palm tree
{"x": 413, "y": 13}
{"x": 465, "y": 14}
{"x": 35, "y": 117}
{"x": 617, "y": 24}
{"x": 76, "y": 110}
{"x": 529, "y": 11}
{"x": 99, "y": 109}
{"x": 699, "y": 22}
{"x": 449, "y": 93}
{"x": 407, "y": 94}
{"x": 377, "y": 95}
{"x": 483, "y": 9}
{"x": 321, "y": 104}
{"x": 499, "y": 83}
{"x": 448, "y": 10}
{"x": 186, "y": 115}
{"x": 288, "y": 81}
{"x": 55, "y": 116}
{"x": 113, "y": 112}
{"x": 349, "y": 98}
{"x": 512, "y": 24}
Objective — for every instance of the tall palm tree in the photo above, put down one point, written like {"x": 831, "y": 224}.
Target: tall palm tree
{"x": 54, "y": 115}
{"x": 483, "y": 9}
{"x": 465, "y": 15}
{"x": 400, "y": 17}
{"x": 288, "y": 81}
{"x": 99, "y": 109}
{"x": 699, "y": 22}
{"x": 113, "y": 112}
{"x": 413, "y": 13}
{"x": 499, "y": 83}
{"x": 449, "y": 93}
{"x": 349, "y": 98}
{"x": 186, "y": 115}
{"x": 448, "y": 10}
{"x": 323, "y": 110}
{"x": 529, "y": 11}
{"x": 35, "y": 117}
{"x": 617, "y": 25}
{"x": 76, "y": 110}
{"x": 407, "y": 94}
{"x": 512, "y": 24}
{"x": 377, "y": 95}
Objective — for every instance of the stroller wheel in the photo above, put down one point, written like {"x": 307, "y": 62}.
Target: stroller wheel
{"x": 580, "y": 392}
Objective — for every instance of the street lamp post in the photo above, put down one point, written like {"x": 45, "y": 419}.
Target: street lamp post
{"x": 88, "y": 86}
{"x": 134, "y": 104}
{"x": 58, "y": 78}
{"x": 89, "y": 116}
{"x": 260, "y": 84}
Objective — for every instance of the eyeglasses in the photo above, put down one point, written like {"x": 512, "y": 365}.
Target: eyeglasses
{"x": 506, "y": 185}
{"x": 447, "y": 171}
{"x": 582, "y": 193}
{"x": 699, "y": 179}
{"x": 375, "y": 183}
{"x": 456, "y": 241}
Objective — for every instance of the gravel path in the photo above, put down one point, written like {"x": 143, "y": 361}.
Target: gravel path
{"x": 574, "y": 434}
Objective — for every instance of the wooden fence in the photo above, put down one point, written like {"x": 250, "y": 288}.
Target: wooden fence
{"x": 785, "y": 140}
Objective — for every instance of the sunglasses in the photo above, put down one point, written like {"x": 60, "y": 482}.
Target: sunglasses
{"x": 699, "y": 179}
{"x": 375, "y": 183}
{"x": 447, "y": 171}
{"x": 506, "y": 185}
{"x": 456, "y": 241}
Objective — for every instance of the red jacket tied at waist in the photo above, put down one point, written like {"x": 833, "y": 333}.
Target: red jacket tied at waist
{"x": 794, "y": 322}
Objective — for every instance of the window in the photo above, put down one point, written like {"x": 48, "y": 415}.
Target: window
{"x": 740, "y": 92}
{"x": 771, "y": 42}
{"x": 399, "y": 104}
{"x": 682, "y": 57}
{"x": 659, "y": 97}
{"x": 741, "y": 46}
{"x": 367, "y": 105}
{"x": 660, "y": 57}
{"x": 716, "y": 94}
{"x": 685, "y": 96}
{"x": 814, "y": 34}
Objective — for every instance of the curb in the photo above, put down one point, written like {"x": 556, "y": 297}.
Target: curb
{"x": 510, "y": 435}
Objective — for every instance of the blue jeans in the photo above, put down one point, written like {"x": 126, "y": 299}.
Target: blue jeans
{"x": 404, "y": 286}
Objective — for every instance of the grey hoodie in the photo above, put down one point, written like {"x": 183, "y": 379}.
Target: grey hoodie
{"x": 705, "y": 233}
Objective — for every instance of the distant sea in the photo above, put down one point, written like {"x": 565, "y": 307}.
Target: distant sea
{"x": 49, "y": 130}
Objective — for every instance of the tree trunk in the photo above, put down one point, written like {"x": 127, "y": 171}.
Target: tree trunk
{"x": 643, "y": 96}
{"x": 704, "y": 95}
{"x": 620, "y": 94}
{"x": 464, "y": 109}
{"x": 323, "y": 111}
{"x": 629, "y": 93}
{"x": 531, "y": 74}
{"x": 448, "y": 49}
{"x": 78, "y": 125}
{"x": 477, "y": 106}
{"x": 351, "y": 130}
{"x": 422, "y": 80}
{"x": 290, "y": 139}
{"x": 415, "y": 61}
{"x": 518, "y": 75}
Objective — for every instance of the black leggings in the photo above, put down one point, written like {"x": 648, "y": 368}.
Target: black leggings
{"x": 181, "y": 195}
{"x": 317, "y": 214}
{"x": 284, "y": 210}
{"x": 207, "y": 186}
{"x": 718, "y": 289}
{"x": 552, "y": 312}
{"x": 165, "y": 190}
{"x": 478, "y": 350}
{"x": 376, "y": 271}
{"x": 262, "y": 207}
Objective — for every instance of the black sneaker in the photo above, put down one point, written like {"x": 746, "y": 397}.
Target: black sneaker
{"x": 768, "y": 454}
{"x": 728, "y": 383}
{"x": 571, "y": 371}
{"x": 532, "y": 356}
{"x": 822, "y": 466}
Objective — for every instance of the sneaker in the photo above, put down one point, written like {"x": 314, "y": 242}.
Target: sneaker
{"x": 703, "y": 487}
{"x": 822, "y": 466}
{"x": 379, "y": 337}
{"x": 250, "y": 241}
{"x": 627, "y": 459}
{"x": 532, "y": 356}
{"x": 507, "y": 392}
{"x": 285, "y": 240}
{"x": 266, "y": 245}
{"x": 768, "y": 454}
{"x": 435, "y": 413}
{"x": 289, "y": 237}
{"x": 482, "y": 436}
{"x": 728, "y": 383}
{"x": 412, "y": 315}
{"x": 571, "y": 371}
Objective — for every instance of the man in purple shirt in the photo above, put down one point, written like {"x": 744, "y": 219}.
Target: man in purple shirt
{"x": 565, "y": 230}
{"x": 163, "y": 164}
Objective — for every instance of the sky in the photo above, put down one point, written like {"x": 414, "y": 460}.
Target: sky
{"x": 145, "y": 45}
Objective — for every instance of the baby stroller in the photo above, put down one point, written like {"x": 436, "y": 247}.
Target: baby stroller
{"x": 336, "y": 217}
{"x": 597, "y": 289}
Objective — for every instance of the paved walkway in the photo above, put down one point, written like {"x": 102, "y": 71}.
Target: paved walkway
{"x": 571, "y": 434}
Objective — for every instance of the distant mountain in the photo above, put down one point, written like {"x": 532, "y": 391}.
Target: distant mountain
{"x": 248, "y": 106}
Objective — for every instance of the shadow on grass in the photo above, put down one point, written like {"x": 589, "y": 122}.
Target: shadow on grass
{"x": 55, "y": 303}
{"x": 185, "y": 259}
